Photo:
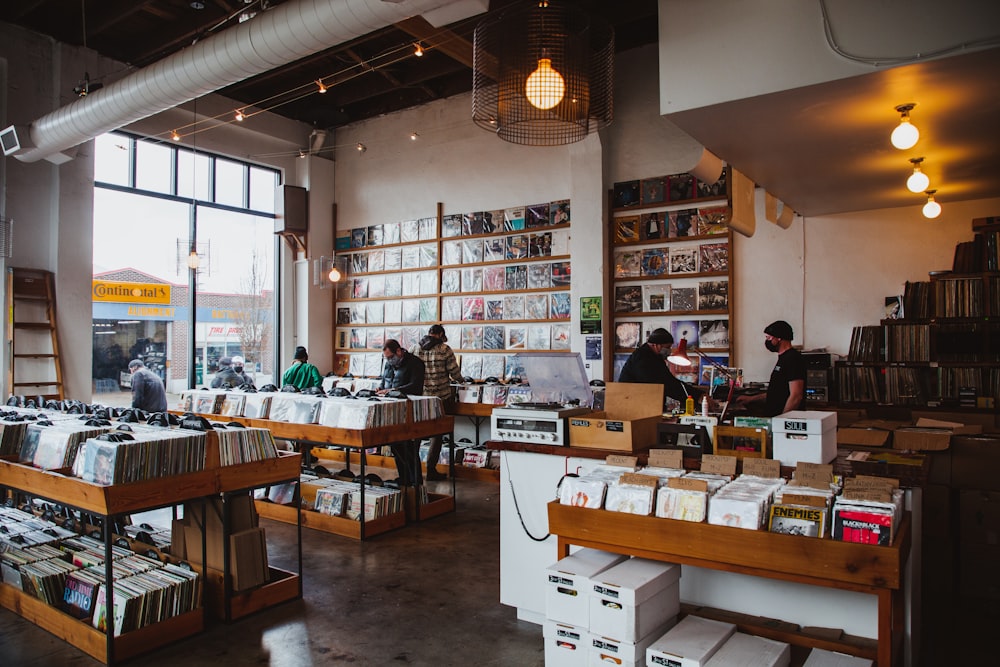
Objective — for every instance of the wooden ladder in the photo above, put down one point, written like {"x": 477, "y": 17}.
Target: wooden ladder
{"x": 34, "y": 369}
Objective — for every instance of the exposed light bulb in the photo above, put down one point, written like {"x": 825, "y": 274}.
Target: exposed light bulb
{"x": 545, "y": 86}
{"x": 193, "y": 261}
{"x": 361, "y": 147}
{"x": 322, "y": 88}
{"x": 334, "y": 275}
{"x": 918, "y": 180}
{"x": 175, "y": 136}
{"x": 239, "y": 115}
{"x": 414, "y": 136}
{"x": 906, "y": 134}
{"x": 302, "y": 153}
{"x": 418, "y": 50}
{"x": 932, "y": 209}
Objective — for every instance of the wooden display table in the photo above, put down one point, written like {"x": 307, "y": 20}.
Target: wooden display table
{"x": 863, "y": 568}
{"x": 477, "y": 413}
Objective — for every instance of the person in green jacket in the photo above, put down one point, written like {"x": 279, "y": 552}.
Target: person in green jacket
{"x": 301, "y": 373}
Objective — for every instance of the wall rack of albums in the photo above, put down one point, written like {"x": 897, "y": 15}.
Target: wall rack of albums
{"x": 672, "y": 268}
{"x": 498, "y": 280}
{"x": 70, "y": 471}
{"x": 330, "y": 502}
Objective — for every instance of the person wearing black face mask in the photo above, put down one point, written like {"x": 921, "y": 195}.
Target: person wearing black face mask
{"x": 786, "y": 390}
{"x": 648, "y": 365}
{"x": 403, "y": 372}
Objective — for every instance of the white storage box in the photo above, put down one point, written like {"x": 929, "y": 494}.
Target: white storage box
{"x": 804, "y": 435}
{"x": 690, "y": 644}
{"x": 634, "y": 598}
{"x": 741, "y": 650}
{"x": 567, "y": 585}
{"x": 565, "y": 645}
{"x": 609, "y": 651}
{"x": 822, "y": 658}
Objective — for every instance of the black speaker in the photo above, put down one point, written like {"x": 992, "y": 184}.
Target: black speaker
{"x": 291, "y": 203}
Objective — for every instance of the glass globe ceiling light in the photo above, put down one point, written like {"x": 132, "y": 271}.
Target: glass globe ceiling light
{"x": 918, "y": 180}
{"x": 545, "y": 86}
{"x": 932, "y": 209}
{"x": 906, "y": 134}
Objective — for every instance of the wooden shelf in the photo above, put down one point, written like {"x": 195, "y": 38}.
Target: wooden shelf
{"x": 336, "y": 525}
{"x": 864, "y": 568}
{"x": 282, "y": 586}
{"x": 92, "y": 641}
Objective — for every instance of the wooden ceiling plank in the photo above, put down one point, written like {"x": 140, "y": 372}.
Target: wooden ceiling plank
{"x": 446, "y": 41}
{"x": 118, "y": 17}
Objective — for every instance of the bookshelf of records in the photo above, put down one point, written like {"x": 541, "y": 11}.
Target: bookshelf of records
{"x": 497, "y": 280}
{"x": 939, "y": 344}
{"x": 672, "y": 269}
{"x": 64, "y": 470}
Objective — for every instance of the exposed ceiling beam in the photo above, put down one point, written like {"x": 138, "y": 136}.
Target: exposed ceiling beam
{"x": 447, "y": 42}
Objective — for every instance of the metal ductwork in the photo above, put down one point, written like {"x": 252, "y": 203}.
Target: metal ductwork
{"x": 279, "y": 36}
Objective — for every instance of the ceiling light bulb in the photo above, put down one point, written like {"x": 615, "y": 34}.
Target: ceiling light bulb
{"x": 418, "y": 50}
{"x": 413, "y": 136}
{"x": 175, "y": 136}
{"x": 322, "y": 88}
{"x": 239, "y": 115}
{"x": 334, "y": 275}
{"x": 932, "y": 209}
{"x": 361, "y": 147}
{"x": 906, "y": 134}
{"x": 302, "y": 153}
{"x": 545, "y": 86}
{"x": 918, "y": 180}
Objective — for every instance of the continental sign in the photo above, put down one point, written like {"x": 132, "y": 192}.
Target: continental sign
{"x": 121, "y": 292}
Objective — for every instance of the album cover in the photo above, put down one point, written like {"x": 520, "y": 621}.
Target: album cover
{"x": 683, "y": 298}
{"x": 681, "y": 187}
{"x": 359, "y": 338}
{"x": 472, "y": 251}
{"x": 655, "y": 298}
{"x": 652, "y": 226}
{"x": 626, "y": 193}
{"x": 451, "y": 281}
{"x": 559, "y": 306}
{"x": 428, "y": 256}
{"x": 684, "y": 259}
{"x": 517, "y": 277}
{"x": 536, "y": 307}
{"x": 540, "y": 245}
{"x": 393, "y": 285}
{"x": 714, "y": 333}
{"x": 374, "y": 235}
{"x": 429, "y": 310}
{"x": 654, "y": 261}
{"x": 472, "y": 366}
{"x": 409, "y": 231}
{"x": 493, "y": 366}
{"x": 359, "y": 237}
{"x": 680, "y": 222}
{"x": 714, "y": 257}
{"x": 513, "y": 219}
{"x": 410, "y": 257}
{"x": 376, "y": 287}
{"x": 451, "y": 253}
{"x": 595, "y": 348}
{"x": 376, "y": 338}
{"x": 410, "y": 284}
{"x": 393, "y": 311}
{"x": 472, "y": 338}
{"x": 360, "y": 290}
{"x": 560, "y": 337}
{"x": 359, "y": 262}
{"x": 493, "y": 339}
{"x": 559, "y": 212}
{"x": 451, "y": 225}
{"x": 358, "y": 312}
{"x": 513, "y": 307}
{"x": 539, "y": 337}
{"x": 560, "y": 274}
{"x": 494, "y": 278}
{"x": 374, "y": 312}
{"x": 492, "y": 221}
{"x": 427, "y": 229}
{"x": 472, "y": 280}
{"x": 517, "y": 246}
{"x": 537, "y": 215}
{"x": 514, "y": 372}
{"x": 717, "y": 190}
{"x": 627, "y": 264}
{"x": 627, "y": 229}
{"x": 516, "y": 337}
{"x": 713, "y": 295}
{"x": 393, "y": 259}
{"x": 396, "y": 334}
{"x": 472, "y": 308}
{"x": 713, "y": 220}
{"x": 711, "y": 376}
{"x": 495, "y": 249}
{"x": 390, "y": 233}
{"x": 472, "y": 223}
{"x": 410, "y": 337}
{"x": 628, "y": 334}
{"x": 539, "y": 276}
{"x": 376, "y": 261}
{"x": 494, "y": 309}
{"x": 343, "y": 315}
{"x": 411, "y": 310}
{"x": 628, "y": 299}
{"x": 654, "y": 190}
{"x": 687, "y": 329}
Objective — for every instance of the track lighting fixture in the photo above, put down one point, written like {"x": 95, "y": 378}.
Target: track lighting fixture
{"x": 906, "y": 134}
{"x": 418, "y": 50}
{"x": 239, "y": 115}
{"x": 932, "y": 209}
{"x": 918, "y": 180}
{"x": 175, "y": 136}
{"x": 361, "y": 147}
{"x": 322, "y": 88}
{"x": 414, "y": 136}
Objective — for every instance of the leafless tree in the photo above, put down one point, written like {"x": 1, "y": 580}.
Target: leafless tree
{"x": 253, "y": 316}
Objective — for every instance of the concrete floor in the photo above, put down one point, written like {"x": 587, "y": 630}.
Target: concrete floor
{"x": 427, "y": 594}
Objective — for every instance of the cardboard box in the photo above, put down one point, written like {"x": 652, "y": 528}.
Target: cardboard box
{"x": 975, "y": 460}
{"x": 742, "y": 649}
{"x": 565, "y": 645}
{"x": 868, "y": 432}
{"x": 690, "y": 643}
{"x": 819, "y": 657}
{"x": 627, "y": 423}
{"x": 567, "y": 585}
{"x": 634, "y": 598}
{"x": 980, "y": 517}
{"x": 931, "y": 434}
{"x": 608, "y": 650}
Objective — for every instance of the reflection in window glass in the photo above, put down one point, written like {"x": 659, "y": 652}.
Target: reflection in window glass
{"x": 113, "y": 159}
{"x": 229, "y": 183}
{"x": 196, "y": 182}
{"x": 154, "y": 167}
{"x": 262, "y": 185}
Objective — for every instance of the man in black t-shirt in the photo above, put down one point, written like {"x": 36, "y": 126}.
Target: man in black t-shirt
{"x": 786, "y": 389}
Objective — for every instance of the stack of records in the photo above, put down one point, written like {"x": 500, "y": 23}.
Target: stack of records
{"x": 245, "y": 445}
{"x": 55, "y": 446}
{"x": 151, "y": 454}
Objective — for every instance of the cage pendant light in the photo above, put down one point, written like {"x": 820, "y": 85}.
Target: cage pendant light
{"x": 543, "y": 73}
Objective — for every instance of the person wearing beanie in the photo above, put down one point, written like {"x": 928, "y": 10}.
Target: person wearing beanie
{"x": 301, "y": 374}
{"x": 786, "y": 390}
{"x": 648, "y": 365}
{"x": 440, "y": 370}
{"x": 226, "y": 377}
